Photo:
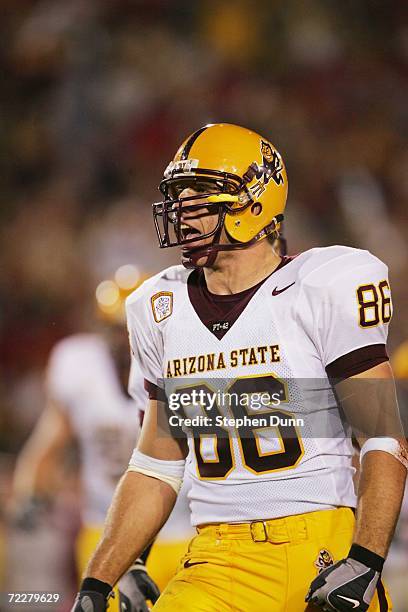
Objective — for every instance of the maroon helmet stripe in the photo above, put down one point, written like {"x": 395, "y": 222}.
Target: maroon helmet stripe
{"x": 191, "y": 141}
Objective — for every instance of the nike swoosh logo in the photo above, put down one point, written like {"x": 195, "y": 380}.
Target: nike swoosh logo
{"x": 277, "y": 291}
{"x": 353, "y": 601}
{"x": 188, "y": 564}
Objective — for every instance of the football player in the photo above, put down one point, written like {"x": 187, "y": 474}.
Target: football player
{"x": 279, "y": 526}
{"x": 88, "y": 403}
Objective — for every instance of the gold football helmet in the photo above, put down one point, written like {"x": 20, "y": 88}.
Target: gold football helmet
{"x": 240, "y": 174}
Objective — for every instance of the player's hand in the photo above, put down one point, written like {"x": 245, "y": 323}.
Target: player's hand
{"x": 347, "y": 585}
{"x": 90, "y": 601}
{"x": 135, "y": 587}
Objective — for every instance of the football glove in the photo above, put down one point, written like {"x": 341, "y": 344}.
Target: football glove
{"x": 349, "y": 584}
{"x": 135, "y": 587}
{"x": 93, "y": 596}
{"x": 90, "y": 601}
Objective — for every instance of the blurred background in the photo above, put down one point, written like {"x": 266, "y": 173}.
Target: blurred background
{"x": 96, "y": 97}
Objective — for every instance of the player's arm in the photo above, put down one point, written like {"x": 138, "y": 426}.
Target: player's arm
{"x": 383, "y": 474}
{"x": 370, "y": 406}
{"x": 147, "y": 492}
{"x": 353, "y": 308}
{"x": 141, "y": 505}
{"x": 37, "y": 468}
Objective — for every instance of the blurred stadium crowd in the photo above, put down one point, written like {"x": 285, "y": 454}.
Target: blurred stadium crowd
{"x": 97, "y": 96}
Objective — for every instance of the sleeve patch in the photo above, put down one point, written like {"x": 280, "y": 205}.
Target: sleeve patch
{"x": 162, "y": 305}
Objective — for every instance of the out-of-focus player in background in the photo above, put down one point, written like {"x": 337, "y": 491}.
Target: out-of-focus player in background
{"x": 273, "y": 506}
{"x": 88, "y": 404}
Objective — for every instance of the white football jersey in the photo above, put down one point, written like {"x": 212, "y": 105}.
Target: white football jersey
{"x": 82, "y": 378}
{"x": 311, "y": 313}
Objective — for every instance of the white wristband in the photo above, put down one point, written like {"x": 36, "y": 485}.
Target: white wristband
{"x": 170, "y": 472}
{"x": 387, "y": 445}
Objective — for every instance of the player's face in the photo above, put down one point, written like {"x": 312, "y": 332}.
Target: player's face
{"x": 198, "y": 220}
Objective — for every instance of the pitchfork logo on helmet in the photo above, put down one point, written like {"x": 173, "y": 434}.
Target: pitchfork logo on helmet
{"x": 240, "y": 177}
{"x": 271, "y": 168}
{"x": 272, "y": 162}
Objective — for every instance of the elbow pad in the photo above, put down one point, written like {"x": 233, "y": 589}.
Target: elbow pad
{"x": 170, "y": 472}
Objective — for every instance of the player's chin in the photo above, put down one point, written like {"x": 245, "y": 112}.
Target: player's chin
{"x": 193, "y": 248}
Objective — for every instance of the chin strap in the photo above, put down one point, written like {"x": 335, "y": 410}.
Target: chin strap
{"x": 210, "y": 251}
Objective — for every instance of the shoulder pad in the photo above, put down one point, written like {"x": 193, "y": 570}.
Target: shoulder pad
{"x": 321, "y": 265}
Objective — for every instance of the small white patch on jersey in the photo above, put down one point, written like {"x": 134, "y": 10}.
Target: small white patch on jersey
{"x": 162, "y": 305}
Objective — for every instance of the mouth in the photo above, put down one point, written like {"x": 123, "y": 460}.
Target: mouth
{"x": 188, "y": 232}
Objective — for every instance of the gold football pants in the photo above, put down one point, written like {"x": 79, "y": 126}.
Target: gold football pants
{"x": 264, "y": 566}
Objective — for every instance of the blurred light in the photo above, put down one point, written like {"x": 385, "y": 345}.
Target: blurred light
{"x": 127, "y": 276}
{"x": 399, "y": 360}
{"x": 107, "y": 294}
